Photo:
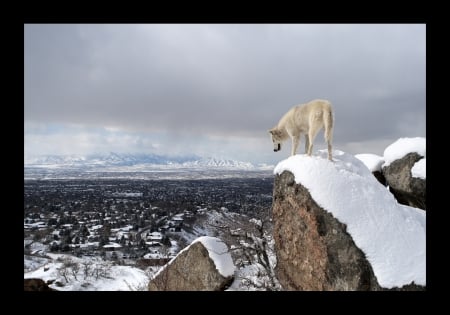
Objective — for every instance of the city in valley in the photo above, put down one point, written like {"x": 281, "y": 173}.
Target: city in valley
{"x": 141, "y": 223}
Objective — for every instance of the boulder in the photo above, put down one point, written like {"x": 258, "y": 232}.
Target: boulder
{"x": 35, "y": 284}
{"x": 336, "y": 228}
{"x": 194, "y": 269}
{"x": 313, "y": 249}
{"x": 408, "y": 190}
{"x": 380, "y": 177}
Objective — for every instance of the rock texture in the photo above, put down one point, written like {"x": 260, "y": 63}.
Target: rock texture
{"x": 191, "y": 270}
{"x": 408, "y": 190}
{"x": 35, "y": 284}
{"x": 313, "y": 249}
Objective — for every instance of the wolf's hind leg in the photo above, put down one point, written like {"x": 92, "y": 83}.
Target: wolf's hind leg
{"x": 306, "y": 143}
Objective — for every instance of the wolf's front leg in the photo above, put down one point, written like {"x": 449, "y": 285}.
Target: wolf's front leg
{"x": 295, "y": 143}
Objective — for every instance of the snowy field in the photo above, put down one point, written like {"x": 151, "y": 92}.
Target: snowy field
{"x": 70, "y": 273}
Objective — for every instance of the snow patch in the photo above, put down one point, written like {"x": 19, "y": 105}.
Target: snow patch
{"x": 120, "y": 278}
{"x": 256, "y": 222}
{"x": 392, "y": 236}
{"x": 219, "y": 253}
{"x": 420, "y": 169}
{"x": 372, "y": 161}
{"x": 402, "y": 147}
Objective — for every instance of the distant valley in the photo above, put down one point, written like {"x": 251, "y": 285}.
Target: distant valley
{"x": 139, "y": 166}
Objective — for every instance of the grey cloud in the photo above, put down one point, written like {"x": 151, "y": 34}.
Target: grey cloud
{"x": 227, "y": 79}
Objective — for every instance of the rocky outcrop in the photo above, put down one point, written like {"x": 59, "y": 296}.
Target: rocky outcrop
{"x": 408, "y": 190}
{"x": 35, "y": 284}
{"x": 192, "y": 270}
{"x": 380, "y": 177}
{"x": 314, "y": 251}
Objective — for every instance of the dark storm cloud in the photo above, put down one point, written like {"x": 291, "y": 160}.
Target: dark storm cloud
{"x": 227, "y": 79}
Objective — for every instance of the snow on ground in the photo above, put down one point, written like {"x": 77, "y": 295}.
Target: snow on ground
{"x": 174, "y": 248}
{"x": 420, "y": 169}
{"x": 372, "y": 161}
{"x": 402, "y": 147}
{"x": 123, "y": 278}
{"x": 205, "y": 225}
{"x": 392, "y": 236}
{"x": 34, "y": 262}
{"x": 112, "y": 245}
{"x": 249, "y": 278}
{"x": 114, "y": 278}
{"x": 193, "y": 233}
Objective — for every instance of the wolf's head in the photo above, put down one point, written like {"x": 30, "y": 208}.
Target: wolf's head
{"x": 277, "y": 138}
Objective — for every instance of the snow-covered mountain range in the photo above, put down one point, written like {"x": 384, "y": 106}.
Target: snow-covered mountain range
{"x": 142, "y": 160}
{"x": 108, "y": 159}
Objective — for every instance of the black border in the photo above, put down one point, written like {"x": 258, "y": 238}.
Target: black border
{"x": 240, "y": 301}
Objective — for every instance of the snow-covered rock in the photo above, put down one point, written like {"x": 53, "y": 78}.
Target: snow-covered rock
{"x": 405, "y": 171}
{"x": 205, "y": 265}
{"x": 402, "y": 147}
{"x": 321, "y": 202}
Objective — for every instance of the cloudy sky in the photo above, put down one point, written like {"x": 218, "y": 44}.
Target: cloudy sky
{"x": 216, "y": 89}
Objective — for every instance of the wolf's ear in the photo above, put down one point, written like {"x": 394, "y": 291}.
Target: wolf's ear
{"x": 272, "y": 131}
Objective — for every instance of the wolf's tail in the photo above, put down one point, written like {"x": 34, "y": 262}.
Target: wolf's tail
{"x": 328, "y": 122}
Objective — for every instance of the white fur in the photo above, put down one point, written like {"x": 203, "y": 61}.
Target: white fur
{"x": 305, "y": 119}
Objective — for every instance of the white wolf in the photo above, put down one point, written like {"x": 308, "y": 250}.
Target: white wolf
{"x": 305, "y": 119}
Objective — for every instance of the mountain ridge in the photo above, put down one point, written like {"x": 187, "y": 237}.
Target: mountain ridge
{"x": 140, "y": 159}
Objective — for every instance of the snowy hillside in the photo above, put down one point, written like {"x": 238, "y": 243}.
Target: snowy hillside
{"x": 392, "y": 236}
{"x": 70, "y": 273}
{"x": 109, "y": 159}
{"x": 93, "y": 273}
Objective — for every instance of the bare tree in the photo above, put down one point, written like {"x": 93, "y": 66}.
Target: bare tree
{"x": 64, "y": 270}
{"x": 102, "y": 270}
{"x": 87, "y": 268}
{"x": 68, "y": 267}
{"x": 251, "y": 244}
{"x": 75, "y": 267}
